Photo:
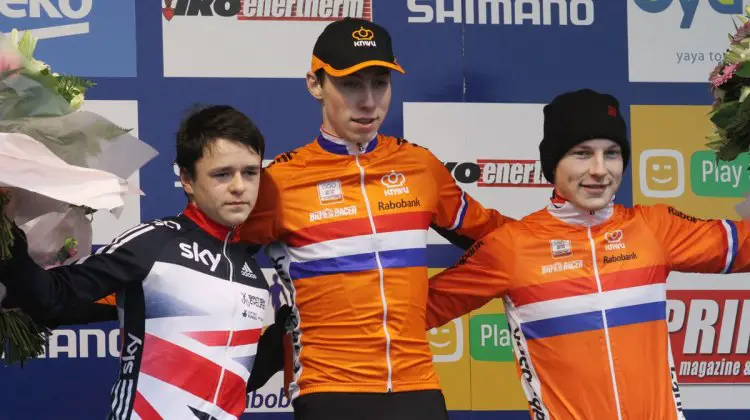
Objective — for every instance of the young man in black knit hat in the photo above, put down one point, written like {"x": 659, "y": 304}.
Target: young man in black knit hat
{"x": 583, "y": 280}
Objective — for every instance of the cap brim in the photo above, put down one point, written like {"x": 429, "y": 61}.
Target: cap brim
{"x": 317, "y": 64}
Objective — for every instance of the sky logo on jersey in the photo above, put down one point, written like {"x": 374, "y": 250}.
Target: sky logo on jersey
{"x": 689, "y": 7}
{"x": 311, "y": 10}
{"x": 82, "y": 37}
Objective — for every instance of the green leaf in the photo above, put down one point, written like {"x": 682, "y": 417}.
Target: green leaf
{"x": 6, "y": 232}
{"x": 744, "y": 93}
{"x": 27, "y": 44}
{"x": 723, "y": 115}
{"x": 744, "y": 70}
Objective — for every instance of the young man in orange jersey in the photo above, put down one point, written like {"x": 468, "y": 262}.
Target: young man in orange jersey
{"x": 583, "y": 280}
{"x": 348, "y": 215}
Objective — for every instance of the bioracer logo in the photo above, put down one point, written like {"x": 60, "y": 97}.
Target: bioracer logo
{"x": 311, "y": 10}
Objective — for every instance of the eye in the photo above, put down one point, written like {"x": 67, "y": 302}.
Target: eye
{"x": 220, "y": 175}
{"x": 655, "y": 167}
{"x": 580, "y": 153}
{"x": 613, "y": 153}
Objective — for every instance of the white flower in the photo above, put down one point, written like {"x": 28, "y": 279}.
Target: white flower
{"x": 76, "y": 101}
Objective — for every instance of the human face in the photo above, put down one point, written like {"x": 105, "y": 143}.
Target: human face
{"x": 354, "y": 106}
{"x": 590, "y": 173}
{"x": 225, "y": 183}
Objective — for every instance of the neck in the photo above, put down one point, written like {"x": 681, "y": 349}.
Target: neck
{"x": 213, "y": 228}
{"x": 335, "y": 144}
{"x": 568, "y": 212}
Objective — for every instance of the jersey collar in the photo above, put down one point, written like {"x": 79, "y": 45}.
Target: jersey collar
{"x": 339, "y": 146}
{"x": 214, "y": 229}
{"x": 564, "y": 210}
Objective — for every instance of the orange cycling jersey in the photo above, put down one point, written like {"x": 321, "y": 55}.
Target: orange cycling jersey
{"x": 585, "y": 299}
{"x": 349, "y": 226}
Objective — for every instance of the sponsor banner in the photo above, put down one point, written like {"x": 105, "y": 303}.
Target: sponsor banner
{"x": 671, "y": 164}
{"x": 678, "y": 41}
{"x": 86, "y": 38}
{"x": 490, "y": 149}
{"x": 288, "y": 30}
{"x": 710, "y": 335}
{"x": 518, "y": 12}
{"x": 106, "y": 226}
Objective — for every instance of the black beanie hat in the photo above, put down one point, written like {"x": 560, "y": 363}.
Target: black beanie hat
{"x": 575, "y": 117}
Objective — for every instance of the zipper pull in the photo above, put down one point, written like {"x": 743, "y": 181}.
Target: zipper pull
{"x": 361, "y": 147}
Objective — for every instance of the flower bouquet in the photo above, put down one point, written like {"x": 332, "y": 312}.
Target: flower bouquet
{"x": 63, "y": 164}
{"x": 730, "y": 85}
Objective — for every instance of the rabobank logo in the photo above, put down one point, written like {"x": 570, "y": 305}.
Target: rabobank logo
{"x": 87, "y": 38}
{"x": 678, "y": 40}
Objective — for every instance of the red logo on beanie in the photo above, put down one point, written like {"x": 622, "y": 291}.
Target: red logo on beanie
{"x": 611, "y": 110}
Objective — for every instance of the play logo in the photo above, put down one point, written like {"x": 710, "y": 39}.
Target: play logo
{"x": 490, "y": 338}
{"x": 712, "y": 178}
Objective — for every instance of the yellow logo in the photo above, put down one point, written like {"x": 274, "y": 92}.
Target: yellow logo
{"x": 662, "y": 173}
{"x": 363, "y": 34}
{"x": 446, "y": 342}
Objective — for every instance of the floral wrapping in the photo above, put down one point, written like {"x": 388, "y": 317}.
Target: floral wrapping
{"x": 63, "y": 164}
{"x": 730, "y": 84}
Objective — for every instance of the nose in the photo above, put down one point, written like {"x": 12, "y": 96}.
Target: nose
{"x": 596, "y": 167}
{"x": 367, "y": 100}
{"x": 237, "y": 185}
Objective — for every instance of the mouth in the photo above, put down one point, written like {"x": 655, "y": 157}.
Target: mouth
{"x": 597, "y": 188}
{"x": 237, "y": 203}
{"x": 364, "y": 121}
{"x": 662, "y": 180}
{"x": 439, "y": 345}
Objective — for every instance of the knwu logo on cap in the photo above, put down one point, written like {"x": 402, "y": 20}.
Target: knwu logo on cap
{"x": 364, "y": 38}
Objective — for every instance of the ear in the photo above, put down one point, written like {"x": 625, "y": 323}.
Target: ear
{"x": 314, "y": 86}
{"x": 187, "y": 182}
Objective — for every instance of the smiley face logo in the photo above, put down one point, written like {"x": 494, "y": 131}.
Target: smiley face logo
{"x": 662, "y": 173}
{"x": 446, "y": 342}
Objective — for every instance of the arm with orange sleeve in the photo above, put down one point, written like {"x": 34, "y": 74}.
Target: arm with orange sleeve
{"x": 460, "y": 219}
{"x": 262, "y": 227}
{"x": 482, "y": 274}
{"x": 263, "y": 224}
{"x": 694, "y": 245}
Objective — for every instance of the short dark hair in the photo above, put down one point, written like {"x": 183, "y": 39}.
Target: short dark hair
{"x": 320, "y": 74}
{"x": 203, "y": 126}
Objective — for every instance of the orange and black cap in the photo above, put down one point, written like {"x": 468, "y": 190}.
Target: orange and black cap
{"x": 349, "y": 45}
